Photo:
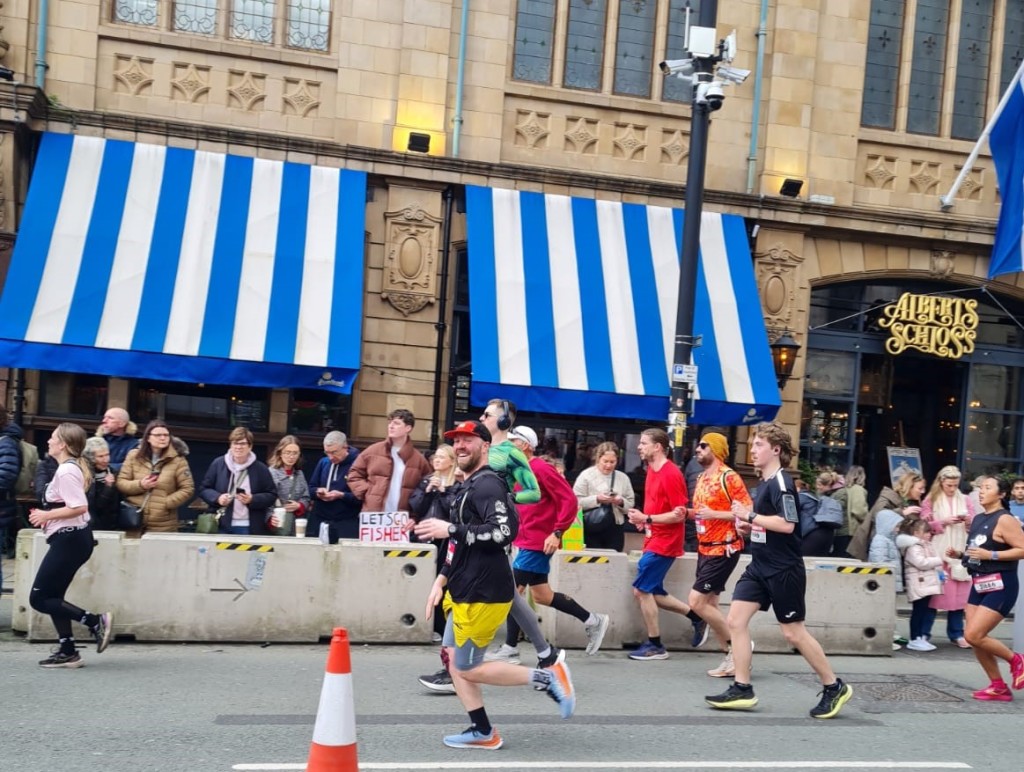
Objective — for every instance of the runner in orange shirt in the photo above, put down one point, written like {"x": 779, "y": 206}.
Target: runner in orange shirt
{"x": 719, "y": 544}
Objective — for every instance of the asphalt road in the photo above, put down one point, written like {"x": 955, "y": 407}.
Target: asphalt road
{"x": 216, "y": 708}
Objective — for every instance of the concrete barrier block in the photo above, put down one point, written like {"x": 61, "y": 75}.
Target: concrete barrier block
{"x": 599, "y": 581}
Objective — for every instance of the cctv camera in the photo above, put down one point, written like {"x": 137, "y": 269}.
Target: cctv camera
{"x": 711, "y": 94}
{"x": 681, "y": 68}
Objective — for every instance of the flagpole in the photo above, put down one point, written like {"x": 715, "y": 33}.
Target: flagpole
{"x": 946, "y": 201}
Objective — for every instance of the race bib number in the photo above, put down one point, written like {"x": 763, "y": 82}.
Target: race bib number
{"x": 758, "y": 534}
{"x": 451, "y": 552}
{"x": 701, "y": 528}
{"x": 988, "y": 583}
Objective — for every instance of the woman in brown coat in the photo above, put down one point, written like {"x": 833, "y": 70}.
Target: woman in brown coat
{"x": 156, "y": 477}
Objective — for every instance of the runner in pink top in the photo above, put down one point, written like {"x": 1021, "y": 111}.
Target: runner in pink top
{"x": 65, "y": 523}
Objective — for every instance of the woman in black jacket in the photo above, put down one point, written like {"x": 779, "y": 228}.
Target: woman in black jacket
{"x": 241, "y": 486}
{"x": 103, "y": 496}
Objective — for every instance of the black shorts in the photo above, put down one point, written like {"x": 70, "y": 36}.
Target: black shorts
{"x": 713, "y": 571}
{"x": 528, "y": 578}
{"x": 783, "y": 592}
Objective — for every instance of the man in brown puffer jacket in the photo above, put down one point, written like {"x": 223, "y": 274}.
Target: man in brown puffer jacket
{"x": 387, "y": 472}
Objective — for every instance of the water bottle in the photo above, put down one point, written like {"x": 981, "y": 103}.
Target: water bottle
{"x": 942, "y": 576}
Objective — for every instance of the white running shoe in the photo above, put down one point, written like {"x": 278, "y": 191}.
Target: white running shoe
{"x": 726, "y": 670}
{"x": 505, "y": 653}
{"x": 595, "y": 633}
{"x": 921, "y": 644}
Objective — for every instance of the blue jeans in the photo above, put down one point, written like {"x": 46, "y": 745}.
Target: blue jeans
{"x": 955, "y": 625}
{"x": 922, "y": 616}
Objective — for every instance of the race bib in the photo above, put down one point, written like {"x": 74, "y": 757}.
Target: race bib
{"x": 988, "y": 583}
{"x": 701, "y": 528}
{"x": 451, "y": 552}
{"x": 758, "y": 534}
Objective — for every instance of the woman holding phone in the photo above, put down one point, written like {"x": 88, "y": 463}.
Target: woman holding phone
{"x": 155, "y": 476}
{"x": 240, "y": 485}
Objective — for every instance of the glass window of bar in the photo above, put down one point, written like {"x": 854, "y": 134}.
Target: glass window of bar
{"x": 534, "y": 43}
{"x": 584, "y": 46}
{"x": 634, "y": 48}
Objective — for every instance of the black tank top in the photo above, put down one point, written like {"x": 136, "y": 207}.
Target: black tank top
{"x": 982, "y": 528}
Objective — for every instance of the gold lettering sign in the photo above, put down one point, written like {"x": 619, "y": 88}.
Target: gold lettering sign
{"x": 946, "y": 327}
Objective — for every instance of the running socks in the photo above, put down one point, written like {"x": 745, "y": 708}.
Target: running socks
{"x": 655, "y": 640}
{"x": 480, "y": 720}
{"x": 90, "y": 620}
{"x": 562, "y": 602}
{"x": 539, "y": 679}
{"x": 694, "y": 617}
{"x": 67, "y": 646}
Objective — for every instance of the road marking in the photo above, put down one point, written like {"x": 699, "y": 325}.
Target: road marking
{"x": 630, "y": 765}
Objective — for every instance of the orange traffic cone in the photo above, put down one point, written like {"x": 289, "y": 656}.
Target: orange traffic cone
{"x": 334, "y": 735}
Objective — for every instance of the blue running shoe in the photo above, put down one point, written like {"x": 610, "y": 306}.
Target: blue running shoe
{"x": 561, "y": 690}
{"x": 700, "y": 634}
{"x": 474, "y": 738}
{"x": 648, "y": 651}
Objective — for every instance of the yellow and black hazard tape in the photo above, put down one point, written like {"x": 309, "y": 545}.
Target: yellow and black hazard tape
{"x": 585, "y": 559}
{"x": 407, "y": 553}
{"x": 228, "y": 545}
{"x": 863, "y": 570}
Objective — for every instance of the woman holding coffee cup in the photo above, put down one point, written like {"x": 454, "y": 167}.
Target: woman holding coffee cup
{"x": 293, "y": 498}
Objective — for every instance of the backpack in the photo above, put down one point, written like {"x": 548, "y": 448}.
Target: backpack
{"x": 29, "y": 459}
{"x": 830, "y": 513}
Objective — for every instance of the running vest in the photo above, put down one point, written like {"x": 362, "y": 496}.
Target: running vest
{"x": 982, "y": 528}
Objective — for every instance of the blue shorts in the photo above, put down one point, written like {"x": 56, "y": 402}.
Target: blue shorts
{"x": 1001, "y": 601}
{"x": 533, "y": 561}
{"x": 650, "y": 573}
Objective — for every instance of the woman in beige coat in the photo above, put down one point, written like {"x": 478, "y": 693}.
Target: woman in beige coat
{"x": 156, "y": 477}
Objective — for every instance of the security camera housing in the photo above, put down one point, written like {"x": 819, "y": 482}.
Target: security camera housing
{"x": 679, "y": 67}
{"x": 711, "y": 94}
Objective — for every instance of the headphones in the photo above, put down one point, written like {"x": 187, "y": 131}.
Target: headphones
{"x": 504, "y": 420}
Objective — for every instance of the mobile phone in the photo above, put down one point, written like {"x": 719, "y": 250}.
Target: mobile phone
{"x": 239, "y": 490}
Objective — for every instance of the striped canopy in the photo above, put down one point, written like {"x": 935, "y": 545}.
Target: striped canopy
{"x": 573, "y": 308}
{"x": 147, "y": 261}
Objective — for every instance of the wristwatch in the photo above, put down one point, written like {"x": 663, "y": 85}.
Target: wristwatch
{"x": 452, "y": 529}
{"x": 558, "y": 534}
{"x": 750, "y": 517}
{"x": 649, "y": 520}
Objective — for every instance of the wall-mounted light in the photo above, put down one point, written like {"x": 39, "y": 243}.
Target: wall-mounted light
{"x": 791, "y": 187}
{"x": 784, "y": 351}
{"x": 418, "y": 142}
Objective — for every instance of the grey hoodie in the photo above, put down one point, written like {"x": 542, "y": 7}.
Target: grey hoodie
{"x": 883, "y": 544}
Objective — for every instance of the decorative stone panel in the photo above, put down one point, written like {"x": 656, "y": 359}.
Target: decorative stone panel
{"x": 630, "y": 142}
{"x": 532, "y": 128}
{"x": 943, "y": 263}
{"x": 581, "y": 136}
{"x": 247, "y": 90}
{"x": 880, "y": 171}
{"x": 410, "y": 256}
{"x": 301, "y": 97}
{"x": 132, "y": 74}
{"x": 674, "y": 148}
{"x": 777, "y": 281}
{"x": 190, "y": 83}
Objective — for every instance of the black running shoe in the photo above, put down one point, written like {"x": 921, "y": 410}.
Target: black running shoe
{"x": 57, "y": 659}
{"x": 832, "y": 700}
{"x": 441, "y": 681}
{"x": 700, "y": 634}
{"x": 103, "y": 631}
{"x": 736, "y": 697}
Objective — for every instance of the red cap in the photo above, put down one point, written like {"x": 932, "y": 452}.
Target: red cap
{"x": 469, "y": 427}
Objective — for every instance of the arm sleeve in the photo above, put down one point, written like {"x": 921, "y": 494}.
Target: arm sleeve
{"x": 519, "y": 469}
{"x": 356, "y": 477}
{"x": 208, "y": 488}
{"x": 10, "y": 463}
{"x": 737, "y": 490}
{"x": 561, "y": 494}
{"x": 186, "y": 486}
{"x": 499, "y": 526}
{"x": 125, "y": 481}
{"x": 582, "y": 489}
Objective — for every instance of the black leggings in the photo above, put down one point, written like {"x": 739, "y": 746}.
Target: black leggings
{"x": 68, "y": 552}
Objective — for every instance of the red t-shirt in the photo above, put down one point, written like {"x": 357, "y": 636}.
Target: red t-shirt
{"x": 664, "y": 491}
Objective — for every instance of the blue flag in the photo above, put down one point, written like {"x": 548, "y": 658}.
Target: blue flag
{"x": 1007, "y": 143}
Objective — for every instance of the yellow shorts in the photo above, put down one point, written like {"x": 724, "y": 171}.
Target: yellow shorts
{"x": 476, "y": 622}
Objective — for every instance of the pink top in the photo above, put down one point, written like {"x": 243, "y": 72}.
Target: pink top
{"x": 68, "y": 486}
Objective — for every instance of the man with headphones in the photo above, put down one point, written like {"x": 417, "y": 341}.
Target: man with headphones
{"x": 510, "y": 463}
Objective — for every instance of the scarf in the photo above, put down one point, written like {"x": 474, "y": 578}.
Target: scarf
{"x": 239, "y": 479}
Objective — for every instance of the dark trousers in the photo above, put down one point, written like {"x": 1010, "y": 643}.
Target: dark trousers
{"x": 66, "y": 554}
{"x": 922, "y": 616}
{"x": 613, "y": 538}
{"x": 818, "y": 543}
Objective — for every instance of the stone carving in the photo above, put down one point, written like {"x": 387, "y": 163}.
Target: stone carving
{"x": 926, "y": 176}
{"x": 248, "y": 89}
{"x": 532, "y": 128}
{"x": 303, "y": 98}
{"x": 943, "y": 263}
{"x": 134, "y": 75}
{"x": 777, "y": 280}
{"x": 410, "y": 257}
{"x": 879, "y": 173}
{"x": 631, "y": 142}
{"x": 973, "y": 184}
{"x": 191, "y": 82}
{"x": 674, "y": 149}
{"x": 582, "y": 137}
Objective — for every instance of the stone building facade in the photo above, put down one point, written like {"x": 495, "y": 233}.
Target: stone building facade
{"x": 345, "y": 83}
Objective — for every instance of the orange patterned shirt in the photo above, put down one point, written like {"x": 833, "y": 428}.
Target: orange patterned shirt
{"x": 714, "y": 536}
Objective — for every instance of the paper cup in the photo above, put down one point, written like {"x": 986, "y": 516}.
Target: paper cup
{"x": 300, "y": 526}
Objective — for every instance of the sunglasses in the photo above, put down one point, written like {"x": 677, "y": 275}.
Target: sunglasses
{"x": 703, "y": 445}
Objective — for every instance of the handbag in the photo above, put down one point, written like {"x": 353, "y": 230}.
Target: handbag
{"x": 129, "y": 516}
{"x": 209, "y": 522}
{"x": 599, "y": 519}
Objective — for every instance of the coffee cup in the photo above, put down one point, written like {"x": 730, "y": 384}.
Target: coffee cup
{"x": 277, "y": 517}
{"x": 300, "y": 526}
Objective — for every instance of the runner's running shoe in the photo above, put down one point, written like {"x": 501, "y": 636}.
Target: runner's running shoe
{"x": 474, "y": 738}
{"x": 561, "y": 690}
{"x": 832, "y": 700}
{"x": 441, "y": 681}
{"x": 994, "y": 693}
{"x": 736, "y": 697}
{"x": 595, "y": 633}
{"x": 648, "y": 651}
{"x": 505, "y": 653}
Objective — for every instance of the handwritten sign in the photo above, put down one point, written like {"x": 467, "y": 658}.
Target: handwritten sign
{"x": 383, "y": 527}
{"x": 946, "y": 327}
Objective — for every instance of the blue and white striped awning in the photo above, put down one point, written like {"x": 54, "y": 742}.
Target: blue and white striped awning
{"x": 147, "y": 261}
{"x": 573, "y": 309}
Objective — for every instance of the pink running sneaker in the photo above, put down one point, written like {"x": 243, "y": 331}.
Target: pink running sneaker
{"x": 994, "y": 693}
{"x": 1017, "y": 671}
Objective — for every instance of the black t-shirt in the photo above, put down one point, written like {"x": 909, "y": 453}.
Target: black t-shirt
{"x": 770, "y": 551}
{"x": 485, "y": 522}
